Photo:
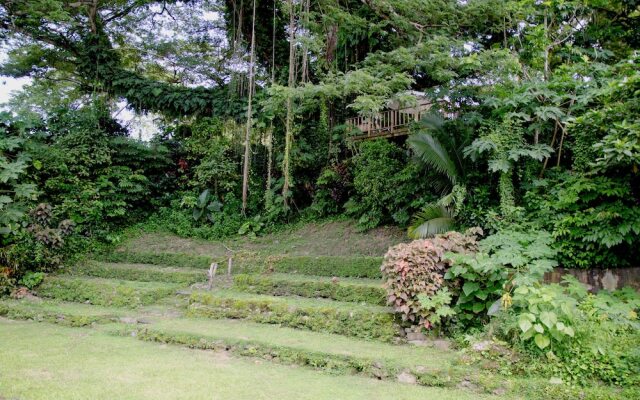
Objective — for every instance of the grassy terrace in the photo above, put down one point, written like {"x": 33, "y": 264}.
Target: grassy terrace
{"x": 156, "y": 335}
{"x": 105, "y": 292}
{"x": 52, "y": 362}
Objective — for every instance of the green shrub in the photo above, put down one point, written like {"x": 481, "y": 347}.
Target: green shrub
{"x": 6, "y": 284}
{"x": 342, "y": 291}
{"x": 178, "y": 219}
{"x": 356, "y": 322}
{"x": 504, "y": 262}
{"x": 418, "y": 269}
{"x": 104, "y": 292}
{"x": 32, "y": 279}
{"x": 386, "y": 187}
{"x": 332, "y": 191}
{"x": 575, "y": 335}
{"x": 595, "y": 221}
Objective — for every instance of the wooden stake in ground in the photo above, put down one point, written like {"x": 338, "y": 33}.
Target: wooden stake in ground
{"x": 211, "y": 274}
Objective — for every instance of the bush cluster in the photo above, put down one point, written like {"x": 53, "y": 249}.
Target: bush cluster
{"x": 418, "y": 268}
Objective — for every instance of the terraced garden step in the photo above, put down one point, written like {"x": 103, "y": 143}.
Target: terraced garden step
{"x": 319, "y": 315}
{"x": 141, "y": 272}
{"x": 63, "y": 313}
{"x": 104, "y": 292}
{"x": 355, "y": 290}
{"x": 180, "y": 260}
{"x": 321, "y": 351}
{"x": 339, "y": 266}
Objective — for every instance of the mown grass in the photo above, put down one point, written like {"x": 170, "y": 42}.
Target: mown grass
{"x": 331, "y": 238}
{"x": 51, "y": 362}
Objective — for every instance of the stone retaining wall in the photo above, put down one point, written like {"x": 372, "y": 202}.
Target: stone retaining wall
{"x": 596, "y": 279}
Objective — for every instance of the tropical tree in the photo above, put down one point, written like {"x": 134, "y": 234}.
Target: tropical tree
{"x": 441, "y": 151}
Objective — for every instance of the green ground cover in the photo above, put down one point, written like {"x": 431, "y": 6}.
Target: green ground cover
{"x": 51, "y": 362}
{"x": 105, "y": 292}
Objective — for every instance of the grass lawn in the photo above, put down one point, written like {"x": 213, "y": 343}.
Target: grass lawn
{"x": 333, "y": 238}
{"x": 42, "y": 361}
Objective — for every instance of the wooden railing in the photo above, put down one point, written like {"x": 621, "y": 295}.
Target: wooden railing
{"x": 384, "y": 124}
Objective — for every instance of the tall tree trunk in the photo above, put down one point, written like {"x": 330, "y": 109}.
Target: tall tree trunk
{"x": 268, "y": 198}
{"x": 305, "y": 48}
{"x": 289, "y": 121}
{"x": 247, "y": 136}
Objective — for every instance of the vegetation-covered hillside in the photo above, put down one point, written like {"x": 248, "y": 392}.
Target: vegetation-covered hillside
{"x": 479, "y": 144}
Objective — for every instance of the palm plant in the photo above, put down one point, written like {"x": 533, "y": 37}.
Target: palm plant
{"x": 442, "y": 152}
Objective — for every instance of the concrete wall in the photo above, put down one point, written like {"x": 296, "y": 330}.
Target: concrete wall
{"x": 596, "y": 279}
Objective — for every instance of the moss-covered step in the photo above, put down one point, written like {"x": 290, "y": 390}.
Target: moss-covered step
{"x": 104, "y": 292}
{"x": 140, "y": 272}
{"x": 338, "y": 266}
{"x": 320, "y": 315}
{"x": 63, "y": 313}
{"x": 165, "y": 259}
{"x": 332, "y": 353}
{"x": 357, "y": 290}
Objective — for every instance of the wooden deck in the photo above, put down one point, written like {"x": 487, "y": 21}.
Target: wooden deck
{"x": 388, "y": 123}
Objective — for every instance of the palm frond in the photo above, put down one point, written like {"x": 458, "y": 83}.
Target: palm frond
{"x": 431, "y": 220}
{"x": 430, "y": 151}
{"x": 433, "y": 121}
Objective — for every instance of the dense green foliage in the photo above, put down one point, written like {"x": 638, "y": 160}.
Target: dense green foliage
{"x": 386, "y": 189}
{"x": 529, "y": 130}
{"x": 582, "y": 336}
{"x": 562, "y": 330}
{"x": 594, "y": 220}
{"x": 521, "y": 95}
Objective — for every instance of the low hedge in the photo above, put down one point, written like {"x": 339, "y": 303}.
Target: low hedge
{"x": 53, "y": 317}
{"x": 348, "y": 267}
{"x": 166, "y": 259}
{"x": 104, "y": 292}
{"x": 342, "y": 291}
{"x": 326, "y": 362}
{"x": 141, "y": 273}
{"x": 358, "y": 322}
